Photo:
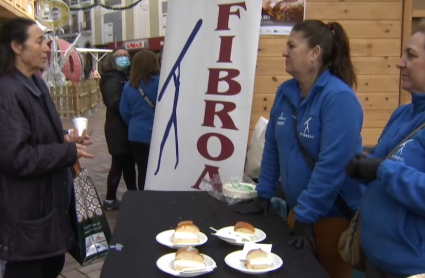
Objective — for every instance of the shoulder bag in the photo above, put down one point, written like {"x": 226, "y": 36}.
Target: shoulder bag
{"x": 146, "y": 98}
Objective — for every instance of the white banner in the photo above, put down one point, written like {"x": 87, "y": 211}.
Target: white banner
{"x": 206, "y": 86}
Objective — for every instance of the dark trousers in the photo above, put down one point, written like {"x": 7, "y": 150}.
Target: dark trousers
{"x": 141, "y": 154}
{"x": 44, "y": 268}
{"x": 121, "y": 165}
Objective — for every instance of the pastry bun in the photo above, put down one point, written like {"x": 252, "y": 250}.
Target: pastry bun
{"x": 188, "y": 258}
{"x": 186, "y": 233}
{"x": 258, "y": 259}
{"x": 244, "y": 228}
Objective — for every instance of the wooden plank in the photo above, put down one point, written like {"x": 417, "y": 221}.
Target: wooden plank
{"x": 359, "y": 47}
{"x": 268, "y": 84}
{"x": 371, "y": 136}
{"x": 366, "y": 83}
{"x": 378, "y": 83}
{"x": 407, "y": 31}
{"x": 262, "y": 102}
{"x": 354, "y": 10}
{"x": 372, "y": 29}
{"x": 418, "y": 13}
{"x": 369, "y": 101}
{"x": 362, "y": 65}
{"x": 376, "y": 118}
{"x": 376, "y": 65}
{"x": 377, "y": 100}
{"x": 375, "y": 47}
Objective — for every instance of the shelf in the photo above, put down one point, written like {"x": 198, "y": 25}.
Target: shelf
{"x": 418, "y": 13}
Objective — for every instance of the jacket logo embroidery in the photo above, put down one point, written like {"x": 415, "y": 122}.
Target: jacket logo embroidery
{"x": 281, "y": 120}
{"x": 399, "y": 154}
{"x": 306, "y": 132}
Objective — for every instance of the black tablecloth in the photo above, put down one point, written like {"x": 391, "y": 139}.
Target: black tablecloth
{"x": 144, "y": 214}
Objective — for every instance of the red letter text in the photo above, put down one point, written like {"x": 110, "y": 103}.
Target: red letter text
{"x": 223, "y": 114}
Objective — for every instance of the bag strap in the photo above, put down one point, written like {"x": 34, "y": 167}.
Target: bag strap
{"x": 339, "y": 202}
{"x": 404, "y": 140}
{"x": 146, "y": 98}
{"x": 77, "y": 168}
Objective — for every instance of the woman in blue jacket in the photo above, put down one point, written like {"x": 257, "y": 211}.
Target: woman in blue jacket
{"x": 137, "y": 107}
{"x": 393, "y": 207}
{"x": 320, "y": 102}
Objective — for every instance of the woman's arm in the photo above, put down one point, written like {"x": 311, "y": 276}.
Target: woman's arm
{"x": 111, "y": 92}
{"x": 19, "y": 157}
{"x": 269, "y": 173}
{"x": 125, "y": 106}
{"x": 404, "y": 183}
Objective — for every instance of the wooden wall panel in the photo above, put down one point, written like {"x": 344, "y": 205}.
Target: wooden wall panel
{"x": 274, "y": 47}
{"x": 355, "y": 10}
{"x": 363, "y": 65}
{"x": 375, "y": 42}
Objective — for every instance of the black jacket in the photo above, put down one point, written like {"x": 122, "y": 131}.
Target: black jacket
{"x": 35, "y": 177}
{"x": 116, "y": 130}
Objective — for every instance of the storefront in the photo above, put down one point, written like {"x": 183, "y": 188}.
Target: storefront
{"x": 133, "y": 46}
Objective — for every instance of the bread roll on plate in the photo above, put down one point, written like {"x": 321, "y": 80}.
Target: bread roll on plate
{"x": 244, "y": 228}
{"x": 188, "y": 258}
{"x": 186, "y": 233}
{"x": 258, "y": 259}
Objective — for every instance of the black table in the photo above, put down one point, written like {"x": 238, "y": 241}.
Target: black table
{"x": 144, "y": 214}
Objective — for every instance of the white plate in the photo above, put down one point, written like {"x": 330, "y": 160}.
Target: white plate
{"x": 259, "y": 236}
{"x": 234, "y": 261}
{"x": 166, "y": 264}
{"x": 166, "y": 238}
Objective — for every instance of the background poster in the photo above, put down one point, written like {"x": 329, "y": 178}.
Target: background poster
{"x": 279, "y": 16}
{"x": 205, "y": 94}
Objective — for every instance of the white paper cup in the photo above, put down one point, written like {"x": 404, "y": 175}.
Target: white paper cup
{"x": 80, "y": 124}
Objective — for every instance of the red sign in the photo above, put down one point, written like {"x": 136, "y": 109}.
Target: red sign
{"x": 134, "y": 44}
{"x": 156, "y": 43}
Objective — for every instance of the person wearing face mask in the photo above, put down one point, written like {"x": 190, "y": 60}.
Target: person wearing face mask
{"x": 115, "y": 75}
{"x": 392, "y": 212}
{"x": 314, "y": 130}
{"x": 138, "y": 107}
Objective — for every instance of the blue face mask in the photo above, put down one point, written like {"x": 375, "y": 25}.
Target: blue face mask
{"x": 123, "y": 62}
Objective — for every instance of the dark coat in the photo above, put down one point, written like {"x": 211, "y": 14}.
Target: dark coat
{"x": 116, "y": 130}
{"x": 35, "y": 177}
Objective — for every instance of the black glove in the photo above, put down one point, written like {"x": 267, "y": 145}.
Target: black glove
{"x": 353, "y": 167}
{"x": 302, "y": 235}
{"x": 362, "y": 167}
{"x": 258, "y": 205}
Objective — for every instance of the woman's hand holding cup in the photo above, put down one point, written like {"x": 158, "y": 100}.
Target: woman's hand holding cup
{"x": 73, "y": 137}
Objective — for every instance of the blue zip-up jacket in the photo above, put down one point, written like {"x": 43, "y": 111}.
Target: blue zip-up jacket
{"x": 393, "y": 206}
{"x": 329, "y": 124}
{"x": 136, "y": 112}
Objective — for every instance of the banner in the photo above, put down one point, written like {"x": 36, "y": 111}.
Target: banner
{"x": 206, "y": 86}
{"x": 279, "y": 17}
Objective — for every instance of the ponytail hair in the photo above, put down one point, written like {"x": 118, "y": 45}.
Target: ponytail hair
{"x": 16, "y": 30}
{"x": 334, "y": 45}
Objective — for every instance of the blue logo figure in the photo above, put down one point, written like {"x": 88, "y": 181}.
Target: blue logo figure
{"x": 176, "y": 79}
